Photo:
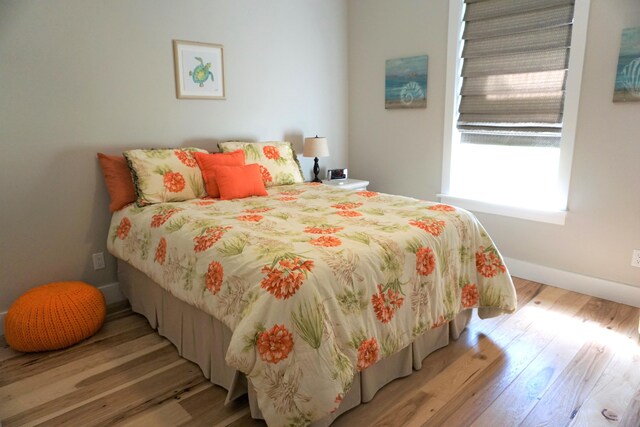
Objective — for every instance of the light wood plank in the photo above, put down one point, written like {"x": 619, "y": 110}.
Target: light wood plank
{"x": 474, "y": 398}
{"x": 564, "y": 399}
{"x": 554, "y": 353}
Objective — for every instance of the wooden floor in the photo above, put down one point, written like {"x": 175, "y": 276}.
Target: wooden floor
{"x": 564, "y": 359}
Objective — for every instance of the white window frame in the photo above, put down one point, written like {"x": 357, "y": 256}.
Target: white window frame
{"x": 569, "y": 125}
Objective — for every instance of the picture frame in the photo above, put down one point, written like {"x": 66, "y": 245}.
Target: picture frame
{"x": 627, "y": 83}
{"x": 405, "y": 83}
{"x": 199, "y": 70}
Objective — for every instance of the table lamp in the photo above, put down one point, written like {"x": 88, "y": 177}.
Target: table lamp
{"x": 315, "y": 147}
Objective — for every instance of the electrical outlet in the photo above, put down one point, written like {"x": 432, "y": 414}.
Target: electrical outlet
{"x": 98, "y": 260}
{"x": 635, "y": 258}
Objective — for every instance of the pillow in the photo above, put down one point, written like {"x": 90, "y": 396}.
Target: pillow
{"x": 208, "y": 162}
{"x": 165, "y": 175}
{"x": 117, "y": 177}
{"x": 238, "y": 182}
{"x": 278, "y": 162}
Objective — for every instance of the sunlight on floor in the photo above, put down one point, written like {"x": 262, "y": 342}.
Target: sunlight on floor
{"x": 569, "y": 327}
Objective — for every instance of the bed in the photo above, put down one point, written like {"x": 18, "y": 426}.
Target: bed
{"x": 310, "y": 298}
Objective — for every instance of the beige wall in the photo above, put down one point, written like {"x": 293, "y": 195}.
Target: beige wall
{"x": 78, "y": 77}
{"x": 401, "y": 151}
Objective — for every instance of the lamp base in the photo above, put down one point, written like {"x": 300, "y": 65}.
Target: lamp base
{"x": 316, "y": 170}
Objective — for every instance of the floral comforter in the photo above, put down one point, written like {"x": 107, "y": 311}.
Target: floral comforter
{"x": 315, "y": 282}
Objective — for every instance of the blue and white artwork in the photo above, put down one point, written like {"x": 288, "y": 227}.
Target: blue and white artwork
{"x": 628, "y": 76}
{"x": 406, "y": 82}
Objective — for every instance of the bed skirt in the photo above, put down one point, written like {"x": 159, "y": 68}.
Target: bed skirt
{"x": 204, "y": 340}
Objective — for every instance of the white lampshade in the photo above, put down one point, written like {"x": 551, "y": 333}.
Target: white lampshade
{"x": 315, "y": 147}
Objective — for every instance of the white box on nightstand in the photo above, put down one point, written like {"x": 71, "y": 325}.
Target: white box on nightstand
{"x": 348, "y": 184}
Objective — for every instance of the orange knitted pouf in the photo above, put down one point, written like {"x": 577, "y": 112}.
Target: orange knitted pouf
{"x": 54, "y": 316}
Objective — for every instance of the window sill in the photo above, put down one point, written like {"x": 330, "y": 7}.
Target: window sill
{"x": 551, "y": 217}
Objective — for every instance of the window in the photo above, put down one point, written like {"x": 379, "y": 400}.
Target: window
{"x": 514, "y": 72}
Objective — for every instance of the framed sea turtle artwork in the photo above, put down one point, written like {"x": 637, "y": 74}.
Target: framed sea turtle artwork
{"x": 199, "y": 69}
{"x": 627, "y": 86}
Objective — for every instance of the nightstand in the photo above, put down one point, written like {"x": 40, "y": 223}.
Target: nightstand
{"x": 348, "y": 184}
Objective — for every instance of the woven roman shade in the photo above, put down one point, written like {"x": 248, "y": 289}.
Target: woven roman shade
{"x": 515, "y": 59}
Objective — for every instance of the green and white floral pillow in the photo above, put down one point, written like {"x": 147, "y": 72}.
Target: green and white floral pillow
{"x": 165, "y": 175}
{"x": 278, "y": 162}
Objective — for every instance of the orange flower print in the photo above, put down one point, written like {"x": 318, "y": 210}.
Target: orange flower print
{"x": 385, "y": 304}
{"x": 250, "y": 218}
{"x": 205, "y": 202}
{"x": 337, "y": 401}
{"x": 266, "y": 175}
{"x": 347, "y": 205}
{"x": 208, "y": 238}
{"x": 123, "y": 228}
{"x": 275, "y": 344}
{"x": 326, "y": 241}
{"x": 430, "y": 225}
{"x": 488, "y": 262}
{"x": 257, "y": 210}
{"x": 367, "y": 353}
{"x": 271, "y": 152}
{"x": 470, "y": 296}
{"x": 161, "y": 251}
{"x": 313, "y": 184}
{"x": 173, "y": 181}
{"x": 441, "y": 321}
{"x": 367, "y": 194}
{"x": 287, "y": 198}
{"x": 292, "y": 192}
{"x": 442, "y": 208}
{"x": 348, "y": 214}
{"x": 186, "y": 158}
{"x": 285, "y": 278}
{"x": 425, "y": 261}
{"x": 158, "y": 219}
{"x": 213, "y": 279}
{"x": 322, "y": 230}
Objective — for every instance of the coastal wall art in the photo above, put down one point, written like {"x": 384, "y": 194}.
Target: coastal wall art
{"x": 627, "y": 86}
{"x": 406, "y": 82}
{"x": 199, "y": 69}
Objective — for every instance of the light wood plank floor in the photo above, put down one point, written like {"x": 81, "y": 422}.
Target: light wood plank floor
{"x": 563, "y": 359}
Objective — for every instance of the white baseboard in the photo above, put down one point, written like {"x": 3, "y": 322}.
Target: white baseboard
{"x": 606, "y": 289}
{"x": 110, "y": 291}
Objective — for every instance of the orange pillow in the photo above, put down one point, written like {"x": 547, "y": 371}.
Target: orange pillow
{"x": 238, "y": 182}
{"x": 208, "y": 163}
{"x": 117, "y": 176}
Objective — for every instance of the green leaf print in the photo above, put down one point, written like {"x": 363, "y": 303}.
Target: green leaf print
{"x": 373, "y": 211}
{"x": 491, "y": 297}
{"x": 197, "y": 185}
{"x": 283, "y": 178}
{"x": 251, "y": 152}
{"x": 414, "y": 245}
{"x": 251, "y": 339}
{"x": 157, "y": 154}
{"x": 234, "y": 245}
{"x": 352, "y": 302}
{"x": 309, "y": 323}
{"x": 390, "y": 344}
{"x": 419, "y": 328}
{"x": 281, "y": 215}
{"x": 358, "y": 236}
{"x": 176, "y": 224}
{"x": 342, "y": 368}
{"x": 161, "y": 170}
